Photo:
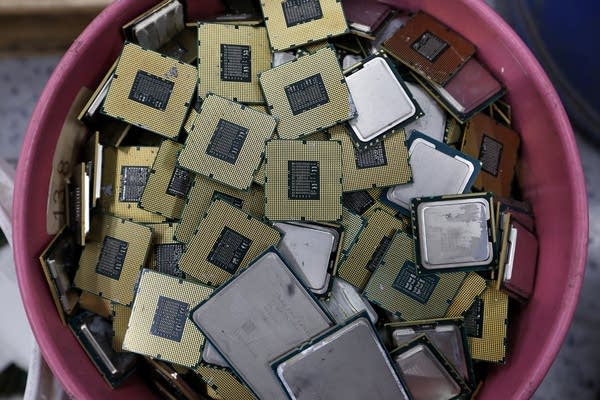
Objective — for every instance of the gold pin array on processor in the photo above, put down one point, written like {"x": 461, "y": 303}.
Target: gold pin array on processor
{"x": 120, "y": 321}
{"x": 230, "y": 59}
{"x": 151, "y": 91}
{"x": 165, "y": 251}
{"x": 224, "y": 383}
{"x": 226, "y": 240}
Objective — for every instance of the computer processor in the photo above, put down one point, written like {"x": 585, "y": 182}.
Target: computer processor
{"x": 124, "y": 176}
{"x": 307, "y": 95}
{"x": 345, "y": 302}
{"x": 303, "y": 180}
{"x": 472, "y": 287}
{"x": 433, "y": 123}
{"x": 429, "y": 48}
{"x": 94, "y": 334}
{"x": 486, "y": 326}
{"x": 112, "y": 258}
{"x": 95, "y": 304}
{"x": 428, "y": 375}
{"x": 437, "y": 170}
{"x": 120, "y": 322}
{"x": 159, "y": 326}
{"x": 366, "y": 202}
{"x": 366, "y": 17}
{"x": 497, "y": 147}
{"x": 275, "y": 314}
{"x": 346, "y": 362}
{"x": 369, "y": 249}
{"x": 230, "y": 59}
{"x": 151, "y": 91}
{"x": 383, "y": 164}
{"x": 226, "y": 240}
{"x": 171, "y": 381}
{"x": 165, "y": 251}
{"x": 227, "y": 142}
{"x": 210, "y": 355}
{"x": 293, "y": 23}
{"x": 447, "y": 335}
{"x": 453, "y": 133}
{"x": 155, "y": 27}
{"x": 454, "y": 233}
{"x": 383, "y": 102}
{"x": 78, "y": 202}
{"x": 309, "y": 249}
{"x": 168, "y": 184}
{"x": 201, "y": 194}
{"x": 397, "y": 286}
{"x": 353, "y": 224}
{"x": 59, "y": 263}
{"x": 224, "y": 382}
{"x": 93, "y": 155}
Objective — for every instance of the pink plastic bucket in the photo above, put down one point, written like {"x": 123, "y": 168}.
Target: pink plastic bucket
{"x": 553, "y": 182}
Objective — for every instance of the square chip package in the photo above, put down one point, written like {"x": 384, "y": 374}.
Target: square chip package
{"x": 307, "y": 95}
{"x": 433, "y": 123}
{"x": 211, "y": 355}
{"x": 227, "y": 142}
{"x": 226, "y": 240}
{"x": 112, "y": 258}
{"x": 427, "y": 373}
{"x": 367, "y": 252}
{"x": 437, "y": 170}
{"x": 471, "y": 288}
{"x": 159, "y": 326}
{"x": 230, "y": 59}
{"x": 151, "y": 91}
{"x": 397, "y": 287}
{"x": 274, "y": 314}
{"x": 429, "y": 48}
{"x": 120, "y": 322}
{"x": 345, "y": 302}
{"x": 347, "y": 362}
{"x": 303, "y": 180}
{"x": 124, "y": 177}
{"x": 293, "y": 23}
{"x": 366, "y": 202}
{"x": 202, "y": 193}
{"x": 383, "y": 102}
{"x": 454, "y": 233}
{"x": 383, "y": 164}
{"x": 224, "y": 382}
{"x": 497, "y": 147}
{"x": 366, "y": 16}
{"x": 166, "y": 251}
{"x": 168, "y": 184}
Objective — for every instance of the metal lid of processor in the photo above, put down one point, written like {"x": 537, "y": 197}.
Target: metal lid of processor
{"x": 380, "y": 100}
{"x": 433, "y": 123}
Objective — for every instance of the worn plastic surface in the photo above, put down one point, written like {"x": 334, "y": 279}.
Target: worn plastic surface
{"x": 552, "y": 180}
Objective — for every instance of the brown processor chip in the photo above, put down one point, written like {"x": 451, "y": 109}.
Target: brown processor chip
{"x": 430, "y": 48}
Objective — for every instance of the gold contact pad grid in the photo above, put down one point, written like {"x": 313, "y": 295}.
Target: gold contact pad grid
{"x": 395, "y": 170}
{"x": 157, "y": 197}
{"x": 353, "y": 267}
{"x": 161, "y": 234}
{"x": 211, "y": 38}
{"x": 120, "y": 321}
{"x": 219, "y": 112}
{"x": 220, "y": 217}
{"x": 491, "y": 346}
{"x": 473, "y": 286}
{"x": 283, "y": 37}
{"x": 327, "y": 156}
{"x": 114, "y": 161}
{"x": 137, "y": 237}
{"x": 323, "y": 65}
{"x": 353, "y": 225}
{"x": 200, "y": 197}
{"x": 222, "y": 380}
{"x": 381, "y": 290}
{"x": 169, "y": 116}
{"x": 139, "y": 337}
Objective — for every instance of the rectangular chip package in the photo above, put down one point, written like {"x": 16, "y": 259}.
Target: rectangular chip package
{"x": 293, "y": 23}
{"x": 307, "y": 95}
{"x": 497, "y": 147}
{"x": 126, "y": 172}
{"x": 230, "y": 58}
{"x": 165, "y": 251}
{"x": 224, "y": 382}
{"x": 428, "y": 375}
{"x": 112, "y": 258}
{"x": 159, "y": 326}
{"x": 303, "y": 180}
{"x": 226, "y": 240}
{"x": 454, "y": 233}
{"x": 151, "y": 91}
{"x": 429, "y": 48}
{"x": 227, "y": 142}
{"x": 168, "y": 184}
{"x": 381, "y": 165}
{"x": 397, "y": 287}
{"x": 437, "y": 170}
{"x": 203, "y": 191}
{"x": 276, "y": 313}
{"x": 367, "y": 252}
{"x": 382, "y": 100}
